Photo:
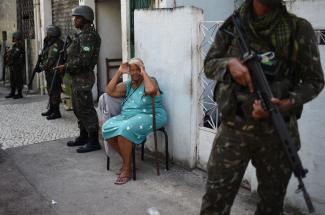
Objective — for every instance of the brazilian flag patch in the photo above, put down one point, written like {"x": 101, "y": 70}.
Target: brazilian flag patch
{"x": 86, "y": 49}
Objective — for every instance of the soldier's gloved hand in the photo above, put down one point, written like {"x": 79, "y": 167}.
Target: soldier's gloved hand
{"x": 240, "y": 73}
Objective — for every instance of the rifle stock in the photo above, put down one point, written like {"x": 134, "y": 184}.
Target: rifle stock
{"x": 263, "y": 91}
{"x": 37, "y": 69}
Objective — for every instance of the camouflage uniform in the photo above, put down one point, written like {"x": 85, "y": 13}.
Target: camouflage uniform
{"x": 82, "y": 58}
{"x": 15, "y": 59}
{"x": 241, "y": 138}
{"x": 49, "y": 59}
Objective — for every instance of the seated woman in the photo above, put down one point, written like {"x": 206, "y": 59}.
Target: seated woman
{"x": 135, "y": 121}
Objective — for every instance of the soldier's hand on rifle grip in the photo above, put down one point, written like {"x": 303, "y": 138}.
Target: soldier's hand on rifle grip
{"x": 283, "y": 104}
{"x": 240, "y": 73}
{"x": 60, "y": 69}
{"x": 258, "y": 111}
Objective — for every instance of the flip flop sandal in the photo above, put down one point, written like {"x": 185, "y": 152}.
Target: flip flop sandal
{"x": 122, "y": 180}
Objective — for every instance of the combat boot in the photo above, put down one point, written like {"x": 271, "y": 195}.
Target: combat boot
{"x": 11, "y": 94}
{"x": 48, "y": 112}
{"x": 19, "y": 95}
{"x": 92, "y": 144}
{"x": 55, "y": 113}
{"x": 81, "y": 140}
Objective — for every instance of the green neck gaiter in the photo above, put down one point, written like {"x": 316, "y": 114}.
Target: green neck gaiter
{"x": 272, "y": 30}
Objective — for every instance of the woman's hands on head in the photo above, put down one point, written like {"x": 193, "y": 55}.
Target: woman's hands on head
{"x": 124, "y": 68}
{"x": 142, "y": 70}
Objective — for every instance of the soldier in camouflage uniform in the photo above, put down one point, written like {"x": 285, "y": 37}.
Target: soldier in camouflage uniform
{"x": 15, "y": 59}
{"x": 290, "y": 59}
{"x": 82, "y": 58}
{"x": 50, "y": 54}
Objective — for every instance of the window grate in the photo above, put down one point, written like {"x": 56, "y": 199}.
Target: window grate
{"x": 209, "y": 107}
{"x": 25, "y": 18}
{"x": 320, "y": 36}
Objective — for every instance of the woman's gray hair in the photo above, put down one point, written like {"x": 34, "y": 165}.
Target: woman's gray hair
{"x": 136, "y": 61}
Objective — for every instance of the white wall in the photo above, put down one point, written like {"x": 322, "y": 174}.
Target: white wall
{"x": 109, "y": 28}
{"x": 167, "y": 40}
{"x": 312, "y": 121}
{"x": 46, "y": 16}
{"x": 312, "y": 152}
{"x": 313, "y": 11}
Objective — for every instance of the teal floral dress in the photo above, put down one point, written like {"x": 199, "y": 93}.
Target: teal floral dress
{"x": 135, "y": 121}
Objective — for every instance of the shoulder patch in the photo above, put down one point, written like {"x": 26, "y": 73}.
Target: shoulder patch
{"x": 86, "y": 48}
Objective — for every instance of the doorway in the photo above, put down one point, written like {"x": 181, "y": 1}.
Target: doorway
{"x": 108, "y": 23}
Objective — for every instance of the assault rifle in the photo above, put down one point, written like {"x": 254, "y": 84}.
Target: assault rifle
{"x": 37, "y": 68}
{"x": 264, "y": 93}
{"x": 61, "y": 60}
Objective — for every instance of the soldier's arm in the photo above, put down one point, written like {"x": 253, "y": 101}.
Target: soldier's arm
{"x": 50, "y": 61}
{"x": 309, "y": 69}
{"x": 215, "y": 63}
{"x": 86, "y": 54}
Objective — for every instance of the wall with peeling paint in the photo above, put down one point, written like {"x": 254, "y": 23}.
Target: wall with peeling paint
{"x": 167, "y": 40}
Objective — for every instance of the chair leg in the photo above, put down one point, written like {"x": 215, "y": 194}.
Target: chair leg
{"x": 166, "y": 149}
{"x": 107, "y": 163}
{"x": 142, "y": 151}
{"x": 133, "y": 163}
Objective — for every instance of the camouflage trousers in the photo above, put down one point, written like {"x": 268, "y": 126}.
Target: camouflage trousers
{"x": 83, "y": 108}
{"x": 55, "y": 92}
{"x": 232, "y": 150}
{"x": 16, "y": 77}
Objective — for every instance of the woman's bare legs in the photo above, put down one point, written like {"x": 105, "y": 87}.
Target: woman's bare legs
{"x": 126, "y": 152}
{"x": 113, "y": 142}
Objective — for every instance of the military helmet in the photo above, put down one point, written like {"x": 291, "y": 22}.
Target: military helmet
{"x": 84, "y": 11}
{"x": 17, "y": 35}
{"x": 53, "y": 31}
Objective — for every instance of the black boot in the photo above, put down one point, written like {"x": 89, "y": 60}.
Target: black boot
{"x": 11, "y": 94}
{"x": 81, "y": 140}
{"x": 19, "y": 95}
{"x": 55, "y": 113}
{"x": 92, "y": 145}
{"x": 48, "y": 112}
